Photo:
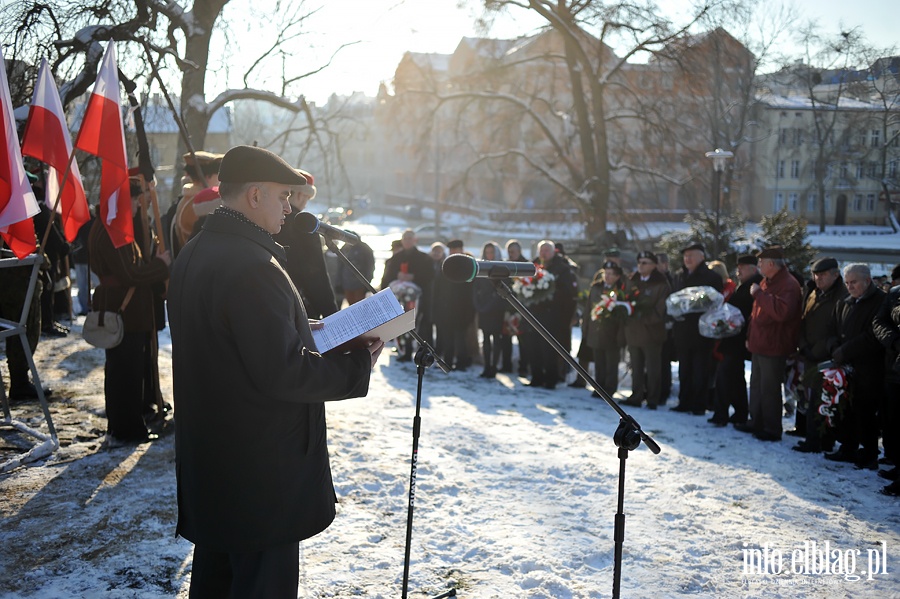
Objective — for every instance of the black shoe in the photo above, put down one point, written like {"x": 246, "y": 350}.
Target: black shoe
{"x": 595, "y": 394}
{"x": 114, "y": 441}
{"x": 744, "y": 427}
{"x": 53, "y": 332}
{"x": 892, "y": 489}
{"x": 27, "y": 392}
{"x": 764, "y": 436}
{"x": 892, "y": 474}
{"x": 795, "y": 432}
{"x": 549, "y": 385}
{"x": 866, "y": 463}
{"x": 841, "y": 456}
{"x": 807, "y": 447}
{"x": 700, "y": 412}
{"x": 886, "y": 460}
{"x": 632, "y": 401}
{"x": 535, "y": 383}
{"x": 716, "y": 422}
{"x": 578, "y": 383}
{"x": 505, "y": 369}
{"x": 680, "y": 408}
{"x": 651, "y": 406}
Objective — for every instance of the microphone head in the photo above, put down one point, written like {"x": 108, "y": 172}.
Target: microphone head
{"x": 306, "y": 221}
{"x": 459, "y": 268}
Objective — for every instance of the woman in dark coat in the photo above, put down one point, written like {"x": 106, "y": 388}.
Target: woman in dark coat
{"x": 125, "y": 384}
{"x": 491, "y": 309}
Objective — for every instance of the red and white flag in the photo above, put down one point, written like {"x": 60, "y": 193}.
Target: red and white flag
{"x": 17, "y": 201}
{"x": 103, "y": 135}
{"x": 47, "y": 139}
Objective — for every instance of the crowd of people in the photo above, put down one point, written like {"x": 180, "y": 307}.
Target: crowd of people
{"x": 825, "y": 350}
{"x": 241, "y": 276}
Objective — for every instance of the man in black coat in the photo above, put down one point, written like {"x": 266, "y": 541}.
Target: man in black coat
{"x": 731, "y": 385}
{"x": 853, "y": 343}
{"x": 413, "y": 265}
{"x": 886, "y": 327}
{"x": 818, "y": 310}
{"x": 553, "y": 314}
{"x": 695, "y": 352}
{"x": 251, "y": 456}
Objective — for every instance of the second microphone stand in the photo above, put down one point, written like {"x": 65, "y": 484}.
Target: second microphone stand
{"x": 425, "y": 357}
{"x": 628, "y": 435}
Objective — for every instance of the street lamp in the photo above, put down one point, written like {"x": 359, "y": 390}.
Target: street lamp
{"x": 719, "y": 158}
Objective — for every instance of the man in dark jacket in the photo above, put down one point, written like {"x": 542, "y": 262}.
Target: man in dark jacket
{"x": 853, "y": 343}
{"x": 413, "y": 265}
{"x": 251, "y": 456}
{"x": 694, "y": 351}
{"x": 731, "y": 385}
{"x": 455, "y": 311}
{"x": 645, "y": 332}
{"x": 552, "y": 314}
{"x": 886, "y": 327}
{"x": 818, "y": 310}
{"x": 771, "y": 338}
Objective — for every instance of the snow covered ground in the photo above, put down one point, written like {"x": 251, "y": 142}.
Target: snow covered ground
{"x": 515, "y": 497}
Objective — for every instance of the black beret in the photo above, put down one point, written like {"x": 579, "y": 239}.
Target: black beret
{"x": 895, "y": 274}
{"x": 824, "y": 264}
{"x": 775, "y": 252}
{"x": 455, "y": 243}
{"x": 612, "y": 252}
{"x": 610, "y": 265}
{"x": 748, "y": 259}
{"x": 245, "y": 164}
{"x": 694, "y": 245}
{"x": 648, "y": 256}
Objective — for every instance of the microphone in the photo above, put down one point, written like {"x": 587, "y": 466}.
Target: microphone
{"x": 460, "y": 268}
{"x": 309, "y": 223}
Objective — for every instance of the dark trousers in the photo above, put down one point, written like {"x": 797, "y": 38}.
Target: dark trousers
{"x": 890, "y": 420}
{"x": 606, "y": 367}
{"x": 124, "y": 386}
{"x": 694, "y": 366}
{"x": 858, "y": 430}
{"x": 542, "y": 360}
{"x": 491, "y": 346}
{"x": 506, "y": 352}
{"x": 668, "y": 356}
{"x": 269, "y": 574}
{"x": 766, "y": 402}
{"x": 731, "y": 390}
{"x": 645, "y": 373}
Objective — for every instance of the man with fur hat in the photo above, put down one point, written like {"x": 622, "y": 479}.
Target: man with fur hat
{"x": 695, "y": 352}
{"x": 251, "y": 456}
{"x": 305, "y": 260}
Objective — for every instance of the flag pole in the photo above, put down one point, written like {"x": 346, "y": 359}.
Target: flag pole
{"x": 62, "y": 187}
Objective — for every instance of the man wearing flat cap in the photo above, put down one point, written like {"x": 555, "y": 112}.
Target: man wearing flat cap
{"x": 695, "y": 352}
{"x": 251, "y": 457}
{"x": 818, "y": 308}
{"x": 771, "y": 338}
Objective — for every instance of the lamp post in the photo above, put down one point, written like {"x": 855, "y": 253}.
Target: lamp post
{"x": 719, "y": 158}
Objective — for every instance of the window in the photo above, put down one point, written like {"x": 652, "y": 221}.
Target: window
{"x": 779, "y": 201}
{"x": 892, "y": 169}
{"x": 859, "y": 170}
{"x": 794, "y": 202}
{"x": 795, "y": 169}
{"x": 861, "y": 138}
{"x": 857, "y": 203}
{"x": 876, "y": 138}
{"x": 844, "y": 170}
{"x": 895, "y": 138}
{"x": 798, "y": 137}
{"x": 782, "y": 137}
{"x": 873, "y": 170}
{"x": 779, "y": 169}
{"x": 811, "y": 202}
{"x": 870, "y": 202}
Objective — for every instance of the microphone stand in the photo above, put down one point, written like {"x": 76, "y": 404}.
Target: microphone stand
{"x": 628, "y": 435}
{"x": 425, "y": 357}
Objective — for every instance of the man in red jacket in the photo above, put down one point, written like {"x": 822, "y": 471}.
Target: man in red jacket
{"x": 771, "y": 337}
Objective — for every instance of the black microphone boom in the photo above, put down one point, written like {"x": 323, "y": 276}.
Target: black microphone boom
{"x": 460, "y": 268}
{"x": 309, "y": 223}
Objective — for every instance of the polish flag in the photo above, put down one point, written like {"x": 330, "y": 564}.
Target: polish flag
{"x": 17, "y": 201}
{"x": 103, "y": 135}
{"x": 47, "y": 139}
